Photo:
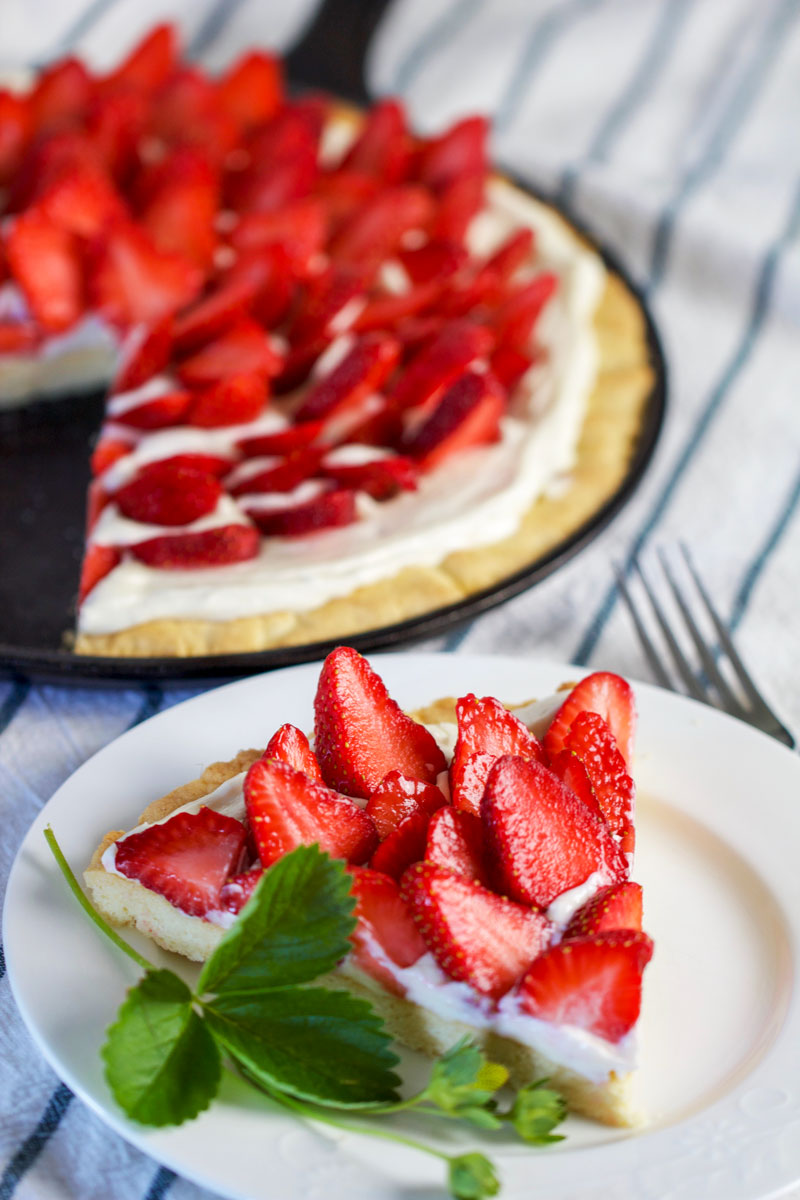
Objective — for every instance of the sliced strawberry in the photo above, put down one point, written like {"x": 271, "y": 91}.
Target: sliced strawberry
{"x": 616, "y": 907}
{"x": 282, "y": 167}
{"x": 96, "y": 500}
{"x": 130, "y": 280}
{"x": 382, "y": 478}
{"x": 243, "y": 348}
{"x": 149, "y": 64}
{"x": 98, "y": 561}
{"x": 186, "y": 859}
{"x": 360, "y": 373}
{"x": 459, "y": 203}
{"x": 156, "y": 412}
{"x": 436, "y": 259}
{"x": 540, "y": 838}
{"x": 282, "y": 443}
{"x": 397, "y": 797}
{"x": 145, "y": 352}
{"x": 212, "y": 314}
{"x": 15, "y": 129}
{"x": 47, "y": 158}
{"x": 468, "y": 414}
{"x": 189, "y": 551}
{"x": 325, "y": 510}
{"x": 251, "y": 91}
{"x": 268, "y": 272}
{"x": 235, "y": 892}
{"x": 82, "y": 200}
{"x": 475, "y": 936}
{"x": 344, "y": 193}
{"x": 180, "y": 214}
{"x": 441, "y": 363}
{"x": 300, "y": 228}
{"x": 403, "y": 846}
{"x": 107, "y": 452}
{"x": 269, "y": 475}
{"x": 383, "y": 146}
{"x": 384, "y": 311}
{"x": 232, "y": 401}
{"x": 455, "y": 842}
{"x": 163, "y": 494}
{"x": 509, "y": 364}
{"x": 323, "y": 304}
{"x": 115, "y": 125}
{"x": 458, "y": 152}
{"x": 373, "y": 234}
{"x": 486, "y": 731}
{"x": 61, "y": 95}
{"x": 376, "y": 422}
{"x": 286, "y": 809}
{"x": 385, "y": 928}
{"x": 571, "y": 771}
{"x": 214, "y": 464}
{"x": 512, "y": 253}
{"x": 186, "y": 112}
{"x": 594, "y": 983}
{"x": 470, "y": 291}
{"x": 590, "y": 738}
{"x": 515, "y": 319}
{"x": 290, "y": 745}
{"x": 603, "y": 693}
{"x": 43, "y": 259}
{"x": 362, "y": 734}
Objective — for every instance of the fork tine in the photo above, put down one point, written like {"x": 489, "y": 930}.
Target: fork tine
{"x": 644, "y": 637}
{"x": 728, "y": 697}
{"x": 679, "y": 658}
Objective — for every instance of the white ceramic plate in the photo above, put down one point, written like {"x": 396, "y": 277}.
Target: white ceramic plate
{"x": 718, "y": 838}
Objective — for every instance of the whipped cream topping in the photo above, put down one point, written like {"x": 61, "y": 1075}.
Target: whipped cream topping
{"x": 425, "y": 983}
{"x": 473, "y": 499}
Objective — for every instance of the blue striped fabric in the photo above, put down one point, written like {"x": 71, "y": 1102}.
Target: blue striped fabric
{"x": 669, "y": 126}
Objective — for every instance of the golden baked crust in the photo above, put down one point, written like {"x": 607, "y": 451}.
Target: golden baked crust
{"x": 608, "y": 439}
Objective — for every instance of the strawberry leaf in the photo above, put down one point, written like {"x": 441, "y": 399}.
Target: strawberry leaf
{"x": 319, "y": 1045}
{"x": 294, "y": 927}
{"x": 536, "y": 1111}
{"x": 472, "y": 1177}
{"x": 162, "y": 1064}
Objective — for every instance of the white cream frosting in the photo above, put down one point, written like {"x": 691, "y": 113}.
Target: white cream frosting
{"x": 473, "y": 499}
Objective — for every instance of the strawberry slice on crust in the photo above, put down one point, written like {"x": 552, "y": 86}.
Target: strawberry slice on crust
{"x": 385, "y": 927}
{"x": 165, "y": 494}
{"x": 361, "y": 733}
{"x": 234, "y": 400}
{"x": 287, "y": 809}
{"x": 440, "y": 363}
{"x": 571, "y": 771}
{"x": 592, "y": 742}
{"x": 237, "y": 891}
{"x": 361, "y": 372}
{"x": 604, "y": 693}
{"x": 243, "y": 348}
{"x": 290, "y": 745}
{"x": 98, "y": 561}
{"x": 324, "y": 510}
{"x": 397, "y": 797}
{"x": 381, "y": 478}
{"x": 456, "y": 842}
{"x": 594, "y": 983}
{"x": 190, "y": 551}
{"x": 468, "y": 414}
{"x": 616, "y": 907}
{"x": 486, "y": 731}
{"x": 403, "y": 846}
{"x": 43, "y": 258}
{"x": 541, "y": 839}
{"x": 145, "y": 352}
{"x": 186, "y": 859}
{"x": 475, "y": 936}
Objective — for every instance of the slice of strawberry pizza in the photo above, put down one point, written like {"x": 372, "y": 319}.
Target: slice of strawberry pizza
{"x": 490, "y": 852}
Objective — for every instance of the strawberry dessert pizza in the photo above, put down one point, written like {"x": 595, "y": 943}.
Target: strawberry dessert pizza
{"x": 354, "y": 374}
{"x": 490, "y": 852}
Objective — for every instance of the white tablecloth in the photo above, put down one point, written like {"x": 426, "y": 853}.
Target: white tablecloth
{"x": 670, "y": 127}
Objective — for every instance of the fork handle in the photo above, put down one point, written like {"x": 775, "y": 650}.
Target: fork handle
{"x": 332, "y": 53}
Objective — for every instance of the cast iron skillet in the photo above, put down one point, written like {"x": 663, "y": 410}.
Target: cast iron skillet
{"x": 44, "y": 471}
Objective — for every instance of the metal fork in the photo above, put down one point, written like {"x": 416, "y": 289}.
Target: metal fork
{"x": 708, "y": 683}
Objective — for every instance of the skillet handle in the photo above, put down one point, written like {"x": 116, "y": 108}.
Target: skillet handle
{"x": 331, "y": 54}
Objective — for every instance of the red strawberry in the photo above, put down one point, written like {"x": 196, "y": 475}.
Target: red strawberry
{"x": 459, "y": 203}
{"x": 290, "y": 745}
{"x": 571, "y": 771}
{"x": 268, "y": 272}
{"x": 474, "y": 935}
{"x": 360, "y": 373}
{"x": 97, "y": 562}
{"x": 251, "y": 91}
{"x": 511, "y": 253}
{"x": 384, "y": 311}
{"x": 145, "y": 352}
{"x": 213, "y": 313}
{"x": 380, "y": 478}
{"x": 186, "y": 859}
{"x": 374, "y": 233}
{"x": 433, "y": 260}
{"x": 107, "y": 452}
{"x": 591, "y": 740}
{"x": 486, "y": 731}
{"x": 509, "y": 365}
{"x": 594, "y": 983}
{"x": 149, "y": 63}
{"x": 455, "y": 842}
{"x": 231, "y": 401}
{"x": 384, "y": 928}
{"x": 180, "y": 214}
{"x": 186, "y": 112}
{"x": 130, "y": 280}
{"x": 286, "y": 809}
{"x": 235, "y": 892}
{"x": 43, "y": 259}
{"x": 460, "y": 151}
{"x": 376, "y": 422}
{"x": 325, "y": 510}
{"x": 244, "y": 348}
{"x": 46, "y": 159}
{"x": 362, "y": 734}
{"x": 404, "y": 845}
{"x": 163, "y": 409}
{"x": 115, "y": 125}
{"x": 603, "y": 693}
{"x": 96, "y": 500}
{"x": 82, "y": 200}
{"x": 468, "y": 414}
{"x": 270, "y": 476}
{"x": 162, "y": 494}
{"x": 541, "y": 839}
{"x": 212, "y": 548}
{"x": 15, "y": 129}
{"x": 383, "y": 146}
{"x": 282, "y": 169}
{"x": 16, "y": 337}
{"x": 441, "y": 363}
{"x": 323, "y": 302}
{"x": 516, "y": 317}
{"x": 300, "y": 228}
{"x": 282, "y": 443}
{"x": 214, "y": 464}
{"x": 344, "y": 193}
{"x": 616, "y": 907}
{"x": 397, "y": 797}
{"x": 61, "y": 95}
